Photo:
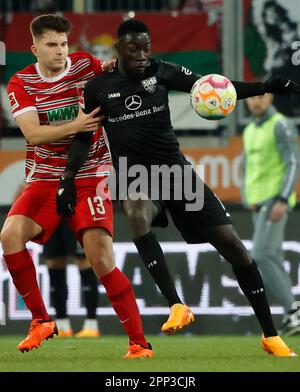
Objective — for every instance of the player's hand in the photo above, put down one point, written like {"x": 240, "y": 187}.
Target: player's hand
{"x": 87, "y": 122}
{"x": 278, "y": 210}
{"x": 109, "y": 64}
{"x": 281, "y": 86}
{"x": 66, "y": 197}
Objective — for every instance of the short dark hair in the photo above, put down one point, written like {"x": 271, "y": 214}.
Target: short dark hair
{"x": 43, "y": 23}
{"x": 132, "y": 26}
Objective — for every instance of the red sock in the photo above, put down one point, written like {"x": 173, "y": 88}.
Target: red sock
{"x": 22, "y": 270}
{"x": 121, "y": 296}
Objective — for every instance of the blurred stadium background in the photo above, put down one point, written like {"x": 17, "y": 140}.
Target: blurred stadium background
{"x": 244, "y": 40}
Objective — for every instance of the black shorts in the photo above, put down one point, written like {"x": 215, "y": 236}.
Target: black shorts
{"x": 194, "y": 224}
{"x": 62, "y": 243}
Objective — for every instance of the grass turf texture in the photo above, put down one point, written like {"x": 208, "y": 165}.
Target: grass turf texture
{"x": 172, "y": 354}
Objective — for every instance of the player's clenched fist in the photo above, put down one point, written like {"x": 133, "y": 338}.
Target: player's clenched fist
{"x": 66, "y": 197}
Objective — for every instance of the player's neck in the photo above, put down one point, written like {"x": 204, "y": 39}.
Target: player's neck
{"x": 50, "y": 72}
{"x": 127, "y": 74}
{"x": 121, "y": 69}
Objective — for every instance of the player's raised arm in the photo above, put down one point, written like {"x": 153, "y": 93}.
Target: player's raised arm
{"x": 180, "y": 78}
{"x": 276, "y": 85}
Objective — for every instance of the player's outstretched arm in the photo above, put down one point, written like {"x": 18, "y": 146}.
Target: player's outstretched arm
{"x": 37, "y": 134}
{"x": 275, "y": 85}
{"x": 66, "y": 196}
{"x": 78, "y": 153}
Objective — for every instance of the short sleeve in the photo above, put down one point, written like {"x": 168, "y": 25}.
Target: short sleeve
{"x": 176, "y": 77}
{"x": 96, "y": 65}
{"x": 20, "y": 101}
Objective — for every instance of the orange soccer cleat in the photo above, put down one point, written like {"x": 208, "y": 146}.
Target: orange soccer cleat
{"x": 88, "y": 333}
{"x": 275, "y": 345}
{"x": 39, "y": 330}
{"x": 180, "y": 316}
{"x": 68, "y": 333}
{"x": 138, "y": 351}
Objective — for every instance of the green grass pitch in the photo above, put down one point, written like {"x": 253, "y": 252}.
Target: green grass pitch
{"x": 172, "y": 354}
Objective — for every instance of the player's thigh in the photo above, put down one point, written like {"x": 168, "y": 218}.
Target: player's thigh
{"x": 93, "y": 211}
{"x": 196, "y": 226}
{"x": 38, "y": 203}
{"x": 19, "y": 228}
{"x": 82, "y": 263}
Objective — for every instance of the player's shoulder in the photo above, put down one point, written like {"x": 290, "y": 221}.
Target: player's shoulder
{"x": 102, "y": 79}
{"x": 162, "y": 67}
{"x": 25, "y": 74}
{"x": 81, "y": 56}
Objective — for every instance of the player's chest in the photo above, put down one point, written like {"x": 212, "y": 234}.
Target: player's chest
{"x": 128, "y": 97}
{"x": 56, "y": 105}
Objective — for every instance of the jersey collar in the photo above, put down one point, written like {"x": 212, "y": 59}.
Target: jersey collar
{"x": 55, "y": 78}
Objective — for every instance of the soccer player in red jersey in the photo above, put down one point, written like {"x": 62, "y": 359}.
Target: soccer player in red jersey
{"x": 44, "y": 101}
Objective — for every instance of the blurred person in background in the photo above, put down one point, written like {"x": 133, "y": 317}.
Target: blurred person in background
{"x": 270, "y": 171}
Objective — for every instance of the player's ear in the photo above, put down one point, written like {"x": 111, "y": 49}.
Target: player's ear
{"x": 118, "y": 47}
{"x": 34, "y": 50}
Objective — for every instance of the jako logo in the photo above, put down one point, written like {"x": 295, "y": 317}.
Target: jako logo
{"x": 114, "y": 95}
{"x": 296, "y": 56}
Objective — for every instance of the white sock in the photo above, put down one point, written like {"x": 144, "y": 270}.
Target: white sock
{"x": 63, "y": 324}
{"x": 90, "y": 324}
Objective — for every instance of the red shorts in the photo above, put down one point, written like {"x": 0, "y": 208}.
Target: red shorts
{"x": 38, "y": 202}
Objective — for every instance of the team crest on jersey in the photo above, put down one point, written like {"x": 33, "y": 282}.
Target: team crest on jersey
{"x": 150, "y": 84}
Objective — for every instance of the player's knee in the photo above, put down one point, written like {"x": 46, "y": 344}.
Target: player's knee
{"x": 138, "y": 220}
{"x": 101, "y": 260}
{"x": 82, "y": 263}
{"x": 11, "y": 239}
{"x": 57, "y": 263}
{"x": 237, "y": 253}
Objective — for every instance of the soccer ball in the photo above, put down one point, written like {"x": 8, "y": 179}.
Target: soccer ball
{"x": 213, "y": 97}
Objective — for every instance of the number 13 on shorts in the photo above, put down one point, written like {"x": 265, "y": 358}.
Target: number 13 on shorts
{"x": 96, "y": 206}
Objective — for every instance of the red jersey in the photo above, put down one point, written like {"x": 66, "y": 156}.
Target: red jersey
{"x": 56, "y": 102}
